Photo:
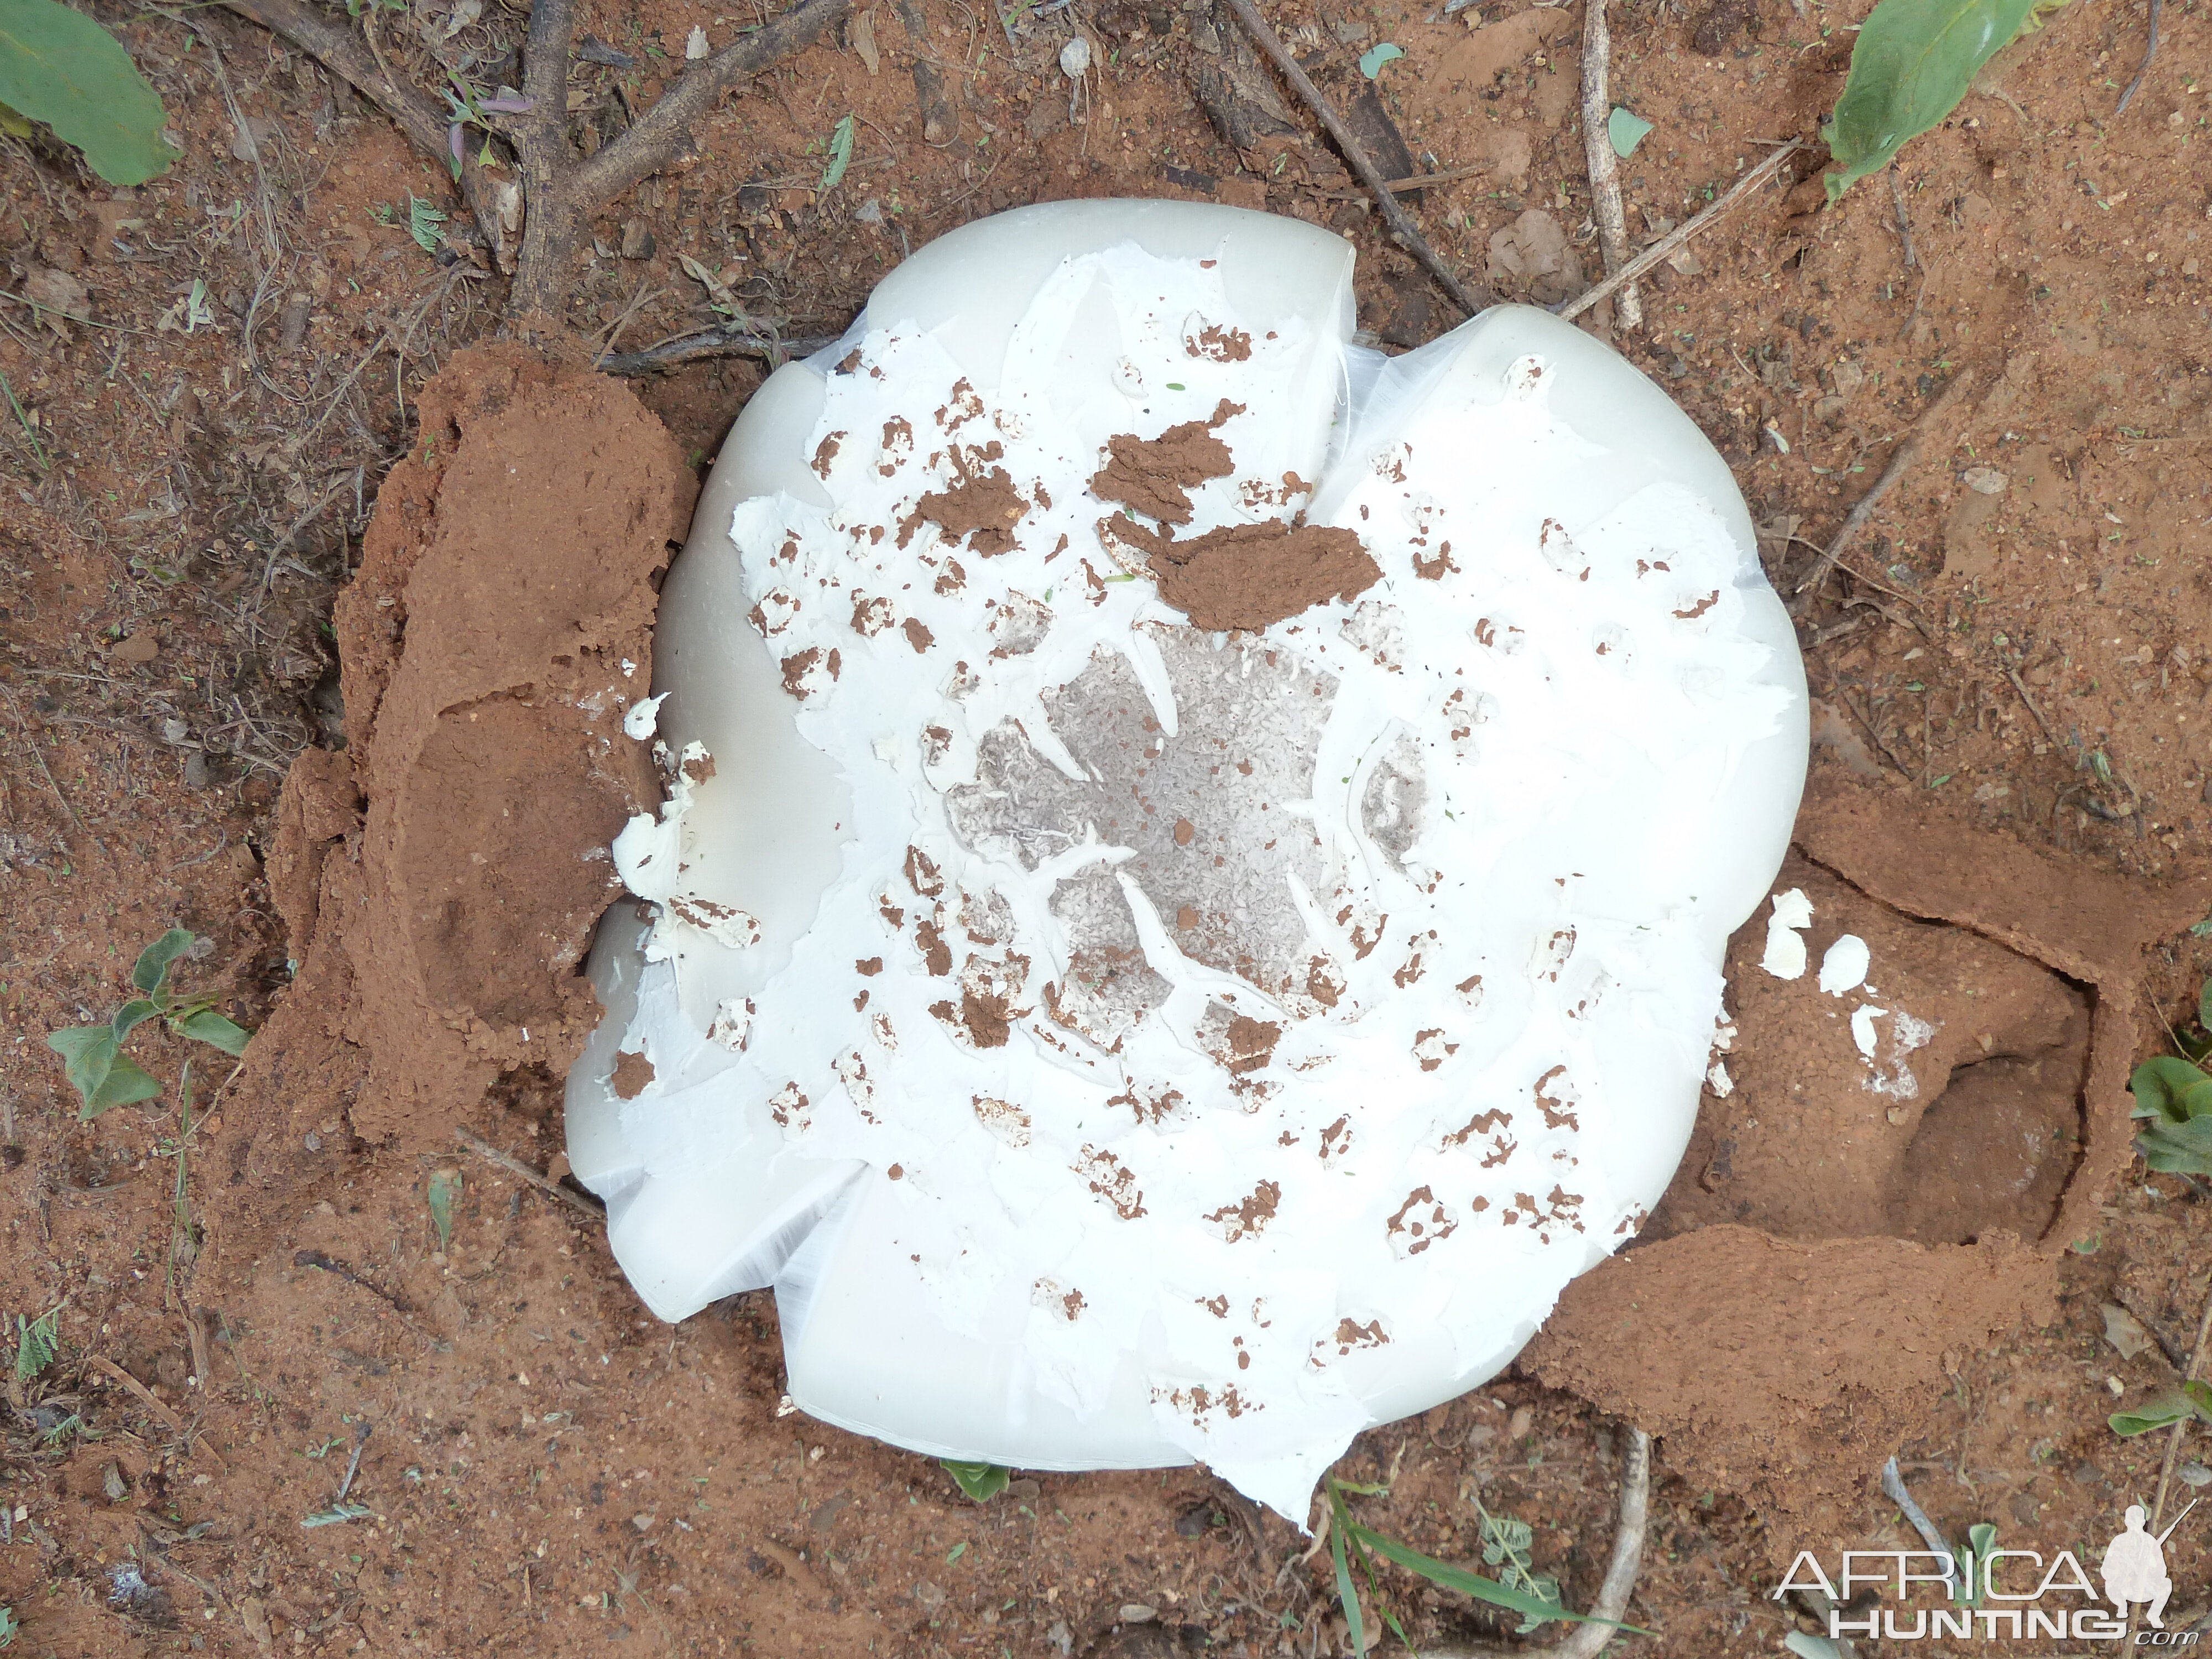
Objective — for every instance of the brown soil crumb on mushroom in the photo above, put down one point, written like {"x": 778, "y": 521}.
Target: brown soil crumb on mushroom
{"x": 1251, "y": 576}
{"x": 632, "y": 1073}
{"x": 918, "y": 635}
{"x": 987, "y": 1017}
{"x": 1250, "y": 1214}
{"x": 1221, "y": 345}
{"x": 1351, "y": 1334}
{"x": 1253, "y": 1042}
{"x": 825, "y": 453}
{"x": 1112, "y": 1182}
{"x": 979, "y": 513}
{"x": 1436, "y": 570}
{"x": 1153, "y": 475}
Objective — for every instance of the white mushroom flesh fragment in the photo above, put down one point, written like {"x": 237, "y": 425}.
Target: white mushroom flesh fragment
{"x": 1843, "y": 965}
{"x": 1785, "y": 956}
{"x": 1152, "y": 1044}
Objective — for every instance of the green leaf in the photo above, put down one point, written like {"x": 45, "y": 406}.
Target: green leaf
{"x": 2172, "y": 1089}
{"x": 99, "y": 1070}
{"x": 2158, "y": 1414}
{"x": 1468, "y": 1583}
{"x": 126, "y": 1082}
{"x": 981, "y": 1481}
{"x": 840, "y": 153}
{"x": 2204, "y": 1005}
{"x": 16, "y": 127}
{"x": 1627, "y": 130}
{"x": 444, "y": 1188}
{"x": 58, "y": 66}
{"x": 1371, "y": 60}
{"x": 151, "y": 971}
{"x": 2177, "y": 1148}
{"x": 205, "y": 1025}
{"x": 36, "y": 1344}
{"x": 424, "y": 219}
{"x": 1348, "y": 1595}
{"x": 1913, "y": 62}
{"x": 129, "y": 1016}
{"x": 2199, "y": 1395}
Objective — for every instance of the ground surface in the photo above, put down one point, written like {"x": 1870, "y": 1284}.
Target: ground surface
{"x": 204, "y": 432}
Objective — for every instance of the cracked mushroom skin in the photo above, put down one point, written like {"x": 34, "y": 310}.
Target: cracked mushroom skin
{"x": 1197, "y": 859}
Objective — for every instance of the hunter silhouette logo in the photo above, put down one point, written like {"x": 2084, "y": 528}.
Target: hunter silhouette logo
{"x": 1998, "y": 1595}
{"x": 2134, "y": 1566}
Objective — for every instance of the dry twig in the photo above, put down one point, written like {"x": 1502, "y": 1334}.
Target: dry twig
{"x": 1403, "y": 229}
{"x": 559, "y": 189}
{"x": 522, "y": 1171}
{"x": 1597, "y": 149}
{"x": 734, "y": 340}
{"x": 1644, "y": 262}
{"x": 2150, "y": 51}
{"x": 1908, "y": 453}
{"x": 1587, "y": 1641}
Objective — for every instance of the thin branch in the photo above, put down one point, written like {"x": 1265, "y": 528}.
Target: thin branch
{"x": 522, "y": 1171}
{"x": 1597, "y": 149}
{"x": 1893, "y": 1487}
{"x": 1673, "y": 239}
{"x": 1588, "y": 1641}
{"x": 345, "y": 55}
{"x": 2173, "y": 1440}
{"x": 657, "y": 140}
{"x": 1908, "y": 454}
{"x": 734, "y": 342}
{"x": 1407, "y": 234}
{"x": 1904, "y": 224}
{"x": 2150, "y": 51}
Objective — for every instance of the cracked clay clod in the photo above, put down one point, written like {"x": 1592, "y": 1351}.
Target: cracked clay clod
{"x": 1197, "y": 858}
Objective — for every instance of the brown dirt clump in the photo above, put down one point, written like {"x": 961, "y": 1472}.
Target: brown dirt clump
{"x": 979, "y": 513}
{"x": 498, "y": 627}
{"x": 1153, "y": 475}
{"x": 1831, "y": 1350}
{"x": 1250, "y": 575}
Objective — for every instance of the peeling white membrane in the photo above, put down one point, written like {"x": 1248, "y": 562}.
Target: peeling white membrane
{"x": 1155, "y": 1045}
{"x": 1843, "y": 965}
{"x": 1784, "y": 957}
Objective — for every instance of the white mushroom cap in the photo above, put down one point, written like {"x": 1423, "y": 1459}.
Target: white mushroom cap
{"x": 1120, "y": 1043}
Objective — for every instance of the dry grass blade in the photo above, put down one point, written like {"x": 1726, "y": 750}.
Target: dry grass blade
{"x": 522, "y": 1171}
{"x": 1403, "y": 227}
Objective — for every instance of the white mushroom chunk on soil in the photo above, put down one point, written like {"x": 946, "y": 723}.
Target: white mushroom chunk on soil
{"x": 1197, "y": 859}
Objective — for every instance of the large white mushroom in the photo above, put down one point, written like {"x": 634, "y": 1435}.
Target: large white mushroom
{"x": 1197, "y": 862}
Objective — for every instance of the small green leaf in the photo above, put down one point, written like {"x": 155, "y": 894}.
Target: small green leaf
{"x": 1912, "y": 62}
{"x": 58, "y": 66}
{"x": 2204, "y": 1005}
{"x": 13, "y": 125}
{"x": 1371, "y": 60}
{"x": 840, "y": 153}
{"x": 130, "y": 1016}
{"x": 424, "y": 219}
{"x": 1627, "y": 130}
{"x": 151, "y": 971}
{"x": 2158, "y": 1414}
{"x": 2177, "y": 1148}
{"x": 1347, "y": 1595}
{"x": 2199, "y": 1395}
{"x": 444, "y": 1188}
{"x": 99, "y": 1070}
{"x": 209, "y": 1027}
{"x": 981, "y": 1481}
{"x": 2168, "y": 1088}
{"x": 1468, "y": 1583}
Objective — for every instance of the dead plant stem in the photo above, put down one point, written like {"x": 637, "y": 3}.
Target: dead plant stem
{"x": 522, "y": 1171}
{"x": 2150, "y": 51}
{"x": 1902, "y": 462}
{"x": 1587, "y": 1641}
{"x": 1645, "y": 261}
{"x": 1604, "y": 167}
{"x": 1403, "y": 229}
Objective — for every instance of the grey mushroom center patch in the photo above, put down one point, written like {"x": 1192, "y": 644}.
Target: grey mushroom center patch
{"x": 1217, "y": 816}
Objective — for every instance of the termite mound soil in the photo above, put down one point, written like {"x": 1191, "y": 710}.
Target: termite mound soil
{"x": 1847, "y": 1228}
{"x": 439, "y": 877}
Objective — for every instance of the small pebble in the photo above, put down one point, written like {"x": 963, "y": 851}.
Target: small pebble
{"x": 1075, "y": 57}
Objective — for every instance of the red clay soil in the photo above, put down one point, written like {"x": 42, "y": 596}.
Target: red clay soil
{"x": 439, "y": 880}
